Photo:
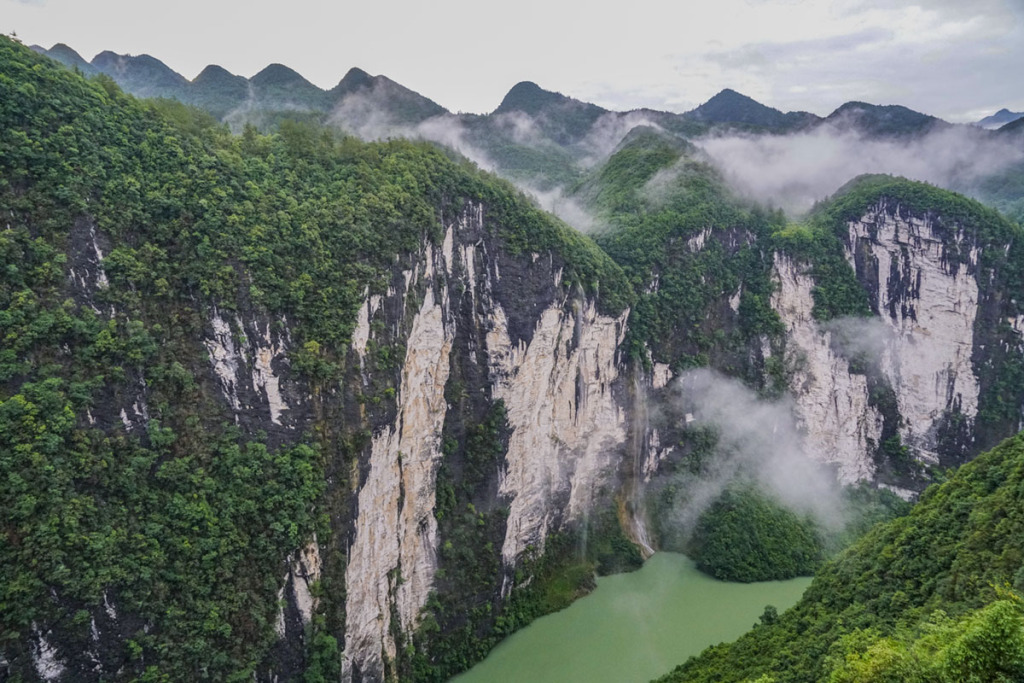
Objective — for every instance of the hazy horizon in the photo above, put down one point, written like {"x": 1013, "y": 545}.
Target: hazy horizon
{"x": 941, "y": 57}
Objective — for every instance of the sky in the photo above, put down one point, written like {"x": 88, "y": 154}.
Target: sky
{"x": 957, "y": 59}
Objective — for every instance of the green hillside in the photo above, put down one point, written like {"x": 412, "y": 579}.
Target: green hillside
{"x": 686, "y": 243}
{"x": 927, "y": 597}
{"x": 185, "y": 520}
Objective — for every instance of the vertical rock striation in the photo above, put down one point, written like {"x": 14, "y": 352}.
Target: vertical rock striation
{"x": 567, "y": 425}
{"x": 922, "y": 284}
{"x": 831, "y": 403}
{"x": 392, "y": 558}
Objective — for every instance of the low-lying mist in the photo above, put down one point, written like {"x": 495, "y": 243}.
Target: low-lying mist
{"x": 365, "y": 115}
{"x": 791, "y": 172}
{"x": 758, "y": 441}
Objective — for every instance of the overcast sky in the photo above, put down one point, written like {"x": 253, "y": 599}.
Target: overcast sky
{"x": 958, "y": 59}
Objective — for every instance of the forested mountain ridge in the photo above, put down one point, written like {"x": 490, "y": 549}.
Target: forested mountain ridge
{"x": 543, "y": 140}
{"x": 206, "y": 340}
{"x": 260, "y": 99}
{"x": 723, "y": 284}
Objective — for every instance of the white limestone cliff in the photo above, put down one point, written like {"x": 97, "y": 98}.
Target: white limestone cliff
{"x": 565, "y": 427}
{"x": 831, "y": 404}
{"x": 392, "y": 559}
{"x": 930, "y": 301}
{"x": 566, "y": 423}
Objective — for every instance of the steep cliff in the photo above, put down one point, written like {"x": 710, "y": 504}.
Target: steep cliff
{"x": 550, "y": 359}
{"x": 833, "y": 405}
{"x": 913, "y": 383}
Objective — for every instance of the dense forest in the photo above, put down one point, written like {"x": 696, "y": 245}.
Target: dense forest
{"x": 931, "y": 596}
{"x": 125, "y": 223}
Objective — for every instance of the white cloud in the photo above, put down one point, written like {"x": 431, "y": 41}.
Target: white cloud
{"x": 794, "y": 171}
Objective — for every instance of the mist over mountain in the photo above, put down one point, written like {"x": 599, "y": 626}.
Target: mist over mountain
{"x": 546, "y": 141}
{"x": 1013, "y": 128}
{"x": 795, "y": 171}
{"x": 887, "y": 121}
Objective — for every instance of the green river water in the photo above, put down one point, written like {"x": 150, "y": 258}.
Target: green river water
{"x": 633, "y": 627}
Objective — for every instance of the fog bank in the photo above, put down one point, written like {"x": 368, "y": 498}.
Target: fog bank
{"x": 793, "y": 171}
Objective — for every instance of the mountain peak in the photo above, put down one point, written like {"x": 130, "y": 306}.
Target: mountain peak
{"x": 278, "y": 74}
{"x": 67, "y": 56}
{"x": 529, "y": 98}
{"x": 357, "y": 75}
{"x": 892, "y": 120}
{"x": 730, "y": 93}
{"x": 354, "y": 79}
{"x": 140, "y": 75}
{"x": 1000, "y": 118}
{"x": 65, "y": 51}
{"x": 729, "y": 106}
{"x": 215, "y": 73}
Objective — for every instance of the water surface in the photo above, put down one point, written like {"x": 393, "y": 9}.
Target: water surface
{"x": 633, "y": 627}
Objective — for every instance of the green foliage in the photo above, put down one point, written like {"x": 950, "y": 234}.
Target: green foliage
{"x": 186, "y": 537}
{"x": 324, "y": 658}
{"x": 946, "y": 208}
{"x": 687, "y": 246}
{"x": 468, "y": 615}
{"x": 836, "y": 290}
{"x": 746, "y": 536}
{"x": 984, "y": 645}
{"x": 963, "y": 539}
{"x": 1003, "y": 191}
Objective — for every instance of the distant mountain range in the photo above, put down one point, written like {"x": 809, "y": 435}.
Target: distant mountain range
{"x": 1000, "y": 118}
{"x": 230, "y": 97}
{"x": 543, "y": 140}
{"x": 563, "y": 119}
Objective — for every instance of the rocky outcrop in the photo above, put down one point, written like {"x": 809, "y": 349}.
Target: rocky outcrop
{"x": 832, "y": 404}
{"x": 249, "y": 361}
{"x": 543, "y": 350}
{"x": 567, "y": 424}
{"x": 584, "y": 426}
{"x": 922, "y": 285}
{"x": 918, "y": 369}
{"x": 392, "y": 557}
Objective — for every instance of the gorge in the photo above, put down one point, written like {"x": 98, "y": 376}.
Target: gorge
{"x": 293, "y": 405}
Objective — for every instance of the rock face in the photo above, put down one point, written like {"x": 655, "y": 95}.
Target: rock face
{"x": 547, "y": 353}
{"x": 935, "y": 328}
{"x": 923, "y": 286}
{"x": 392, "y": 558}
{"x": 463, "y": 317}
{"x": 248, "y": 356}
{"x": 509, "y": 329}
{"x": 831, "y": 403}
{"x": 567, "y": 425}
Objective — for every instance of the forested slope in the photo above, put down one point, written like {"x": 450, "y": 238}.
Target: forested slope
{"x": 926, "y": 597}
{"x": 181, "y": 406}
